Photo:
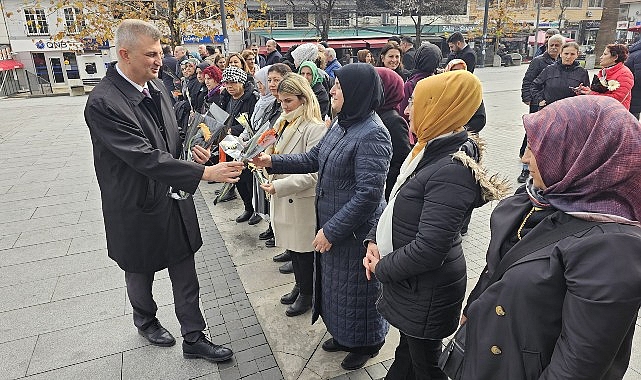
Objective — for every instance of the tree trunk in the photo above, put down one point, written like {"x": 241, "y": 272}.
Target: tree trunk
{"x": 607, "y": 29}
{"x": 418, "y": 25}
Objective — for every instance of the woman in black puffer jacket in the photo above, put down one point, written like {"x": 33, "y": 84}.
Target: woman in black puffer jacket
{"x": 557, "y": 81}
{"x": 415, "y": 250}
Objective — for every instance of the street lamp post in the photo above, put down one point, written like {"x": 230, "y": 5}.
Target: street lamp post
{"x": 536, "y": 27}
{"x": 223, "y": 24}
{"x": 485, "y": 19}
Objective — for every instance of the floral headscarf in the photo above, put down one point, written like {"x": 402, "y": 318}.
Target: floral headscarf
{"x": 587, "y": 150}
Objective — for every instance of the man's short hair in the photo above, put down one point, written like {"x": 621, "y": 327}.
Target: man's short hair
{"x": 556, "y": 37}
{"x": 166, "y": 50}
{"x": 180, "y": 48}
{"x": 552, "y": 31}
{"x": 271, "y": 42}
{"x": 396, "y": 39}
{"x": 129, "y": 32}
{"x": 455, "y": 37}
{"x": 331, "y": 53}
{"x": 210, "y": 50}
{"x": 407, "y": 39}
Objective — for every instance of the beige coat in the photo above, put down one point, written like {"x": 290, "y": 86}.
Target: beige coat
{"x": 292, "y": 208}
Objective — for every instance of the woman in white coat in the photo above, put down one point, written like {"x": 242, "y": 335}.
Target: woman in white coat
{"x": 299, "y": 129}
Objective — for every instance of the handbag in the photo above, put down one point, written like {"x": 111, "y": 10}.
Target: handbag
{"x": 451, "y": 359}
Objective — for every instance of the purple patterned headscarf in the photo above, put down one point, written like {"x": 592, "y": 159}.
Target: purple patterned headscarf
{"x": 588, "y": 150}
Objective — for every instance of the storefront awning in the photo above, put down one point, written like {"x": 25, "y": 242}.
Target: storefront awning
{"x": 10, "y": 64}
{"x": 376, "y": 43}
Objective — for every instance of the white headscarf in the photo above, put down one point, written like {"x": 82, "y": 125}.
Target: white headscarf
{"x": 265, "y": 101}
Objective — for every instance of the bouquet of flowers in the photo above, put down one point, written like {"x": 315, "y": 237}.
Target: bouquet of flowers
{"x": 203, "y": 130}
{"x": 603, "y": 85}
{"x": 244, "y": 151}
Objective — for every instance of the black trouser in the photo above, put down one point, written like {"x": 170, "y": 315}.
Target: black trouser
{"x": 533, "y": 108}
{"x": 184, "y": 283}
{"x": 244, "y": 186}
{"x": 303, "y": 263}
{"x": 416, "y": 359}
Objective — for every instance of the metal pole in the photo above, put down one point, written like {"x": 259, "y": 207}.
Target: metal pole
{"x": 485, "y": 17}
{"x": 536, "y": 27}
{"x": 223, "y": 22}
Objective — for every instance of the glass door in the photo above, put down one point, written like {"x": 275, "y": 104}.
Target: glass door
{"x": 57, "y": 70}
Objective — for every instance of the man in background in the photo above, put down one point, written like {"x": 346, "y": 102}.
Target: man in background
{"x": 459, "y": 49}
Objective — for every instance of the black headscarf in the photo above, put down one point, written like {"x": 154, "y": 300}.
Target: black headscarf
{"x": 362, "y": 92}
{"x": 428, "y": 58}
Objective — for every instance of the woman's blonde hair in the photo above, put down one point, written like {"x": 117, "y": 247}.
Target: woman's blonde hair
{"x": 297, "y": 85}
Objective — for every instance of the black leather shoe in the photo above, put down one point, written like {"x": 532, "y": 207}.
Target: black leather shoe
{"x": 525, "y": 174}
{"x": 255, "y": 219}
{"x": 283, "y": 257}
{"x": 267, "y": 234}
{"x": 286, "y": 268}
{"x": 330, "y": 345}
{"x": 270, "y": 243}
{"x": 157, "y": 335}
{"x": 290, "y": 297}
{"x": 302, "y": 304}
{"x": 244, "y": 216}
{"x": 204, "y": 349}
{"x": 355, "y": 361}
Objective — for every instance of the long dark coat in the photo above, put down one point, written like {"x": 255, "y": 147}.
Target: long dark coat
{"x": 135, "y": 165}
{"x": 565, "y": 311}
{"x": 352, "y": 166}
{"x": 634, "y": 64}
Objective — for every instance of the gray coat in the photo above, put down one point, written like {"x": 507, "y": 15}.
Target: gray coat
{"x": 352, "y": 166}
{"x": 136, "y": 162}
{"x": 565, "y": 311}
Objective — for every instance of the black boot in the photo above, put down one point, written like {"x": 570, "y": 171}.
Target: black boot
{"x": 290, "y": 297}
{"x": 255, "y": 219}
{"x": 300, "y": 306}
{"x": 286, "y": 268}
{"x": 268, "y": 234}
{"x": 244, "y": 216}
{"x": 283, "y": 257}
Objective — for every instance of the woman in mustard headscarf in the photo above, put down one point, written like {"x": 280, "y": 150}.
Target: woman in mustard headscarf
{"x": 415, "y": 250}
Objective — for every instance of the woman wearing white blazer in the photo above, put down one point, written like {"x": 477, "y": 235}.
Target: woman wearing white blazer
{"x": 299, "y": 129}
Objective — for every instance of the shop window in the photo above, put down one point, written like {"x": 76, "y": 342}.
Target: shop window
{"x": 40, "y": 65}
{"x": 301, "y": 20}
{"x": 339, "y": 19}
{"x": 547, "y": 3}
{"x": 595, "y": 3}
{"x": 71, "y": 65}
{"x": 278, "y": 20}
{"x": 574, "y": 3}
{"x": 36, "y": 21}
{"x": 73, "y": 20}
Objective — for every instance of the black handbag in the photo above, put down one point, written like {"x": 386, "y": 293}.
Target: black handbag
{"x": 451, "y": 359}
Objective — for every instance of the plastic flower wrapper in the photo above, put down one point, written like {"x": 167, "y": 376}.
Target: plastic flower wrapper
{"x": 258, "y": 174}
{"x": 202, "y": 130}
{"x": 234, "y": 147}
{"x": 242, "y": 120}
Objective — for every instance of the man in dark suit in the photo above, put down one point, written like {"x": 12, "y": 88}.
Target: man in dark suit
{"x": 168, "y": 71}
{"x": 150, "y": 219}
{"x": 273, "y": 55}
{"x": 407, "y": 45}
{"x": 461, "y": 50}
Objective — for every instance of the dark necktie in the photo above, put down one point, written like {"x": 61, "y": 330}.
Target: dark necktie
{"x": 146, "y": 93}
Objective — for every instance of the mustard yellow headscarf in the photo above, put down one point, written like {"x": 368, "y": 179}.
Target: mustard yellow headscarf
{"x": 444, "y": 103}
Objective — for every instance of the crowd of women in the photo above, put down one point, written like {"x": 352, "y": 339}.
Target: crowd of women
{"x": 372, "y": 181}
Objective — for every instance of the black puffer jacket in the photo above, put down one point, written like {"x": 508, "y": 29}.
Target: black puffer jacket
{"x": 247, "y": 103}
{"x": 424, "y": 277}
{"x": 634, "y": 64}
{"x": 555, "y": 81}
{"x": 399, "y": 133}
{"x": 323, "y": 98}
{"x": 534, "y": 69}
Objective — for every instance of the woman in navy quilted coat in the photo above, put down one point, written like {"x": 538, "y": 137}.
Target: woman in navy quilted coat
{"x": 352, "y": 161}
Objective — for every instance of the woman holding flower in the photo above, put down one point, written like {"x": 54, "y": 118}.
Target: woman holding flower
{"x": 293, "y": 215}
{"x": 614, "y": 79}
{"x": 561, "y": 79}
{"x": 352, "y": 161}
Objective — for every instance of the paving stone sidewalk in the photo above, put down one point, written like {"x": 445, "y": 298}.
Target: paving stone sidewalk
{"x": 64, "y": 313}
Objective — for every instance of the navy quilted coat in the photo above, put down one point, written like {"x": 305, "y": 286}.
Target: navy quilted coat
{"x": 352, "y": 166}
